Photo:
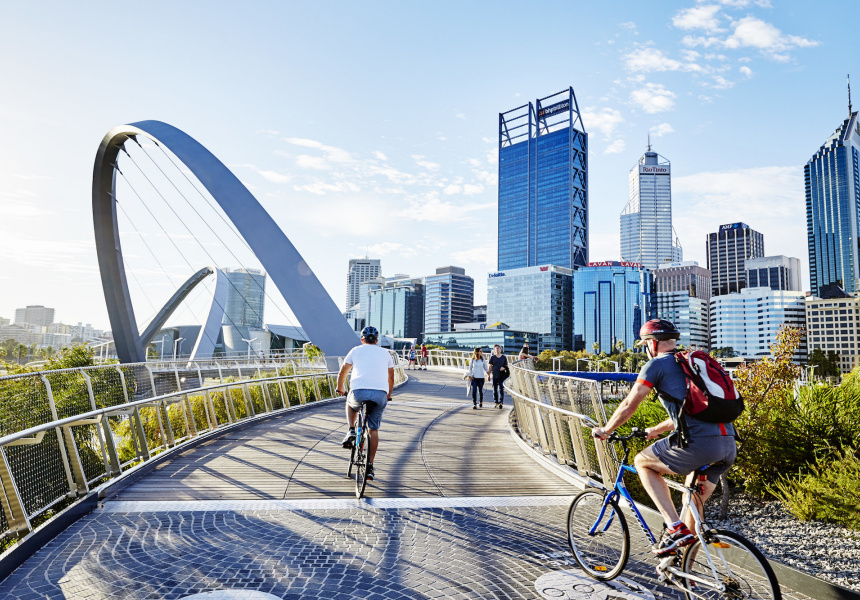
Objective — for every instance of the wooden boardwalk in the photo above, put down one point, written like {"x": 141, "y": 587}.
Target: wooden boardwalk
{"x": 432, "y": 444}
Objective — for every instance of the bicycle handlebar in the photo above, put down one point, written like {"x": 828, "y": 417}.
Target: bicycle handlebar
{"x": 634, "y": 433}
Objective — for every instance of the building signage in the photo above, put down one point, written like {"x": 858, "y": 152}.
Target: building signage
{"x": 544, "y": 268}
{"x": 548, "y": 111}
{"x": 653, "y": 170}
{"x": 732, "y": 226}
{"x": 499, "y": 274}
{"x": 615, "y": 263}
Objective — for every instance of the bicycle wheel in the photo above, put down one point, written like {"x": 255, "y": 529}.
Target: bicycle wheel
{"x": 351, "y": 460}
{"x": 361, "y": 460}
{"x": 740, "y": 566}
{"x": 604, "y": 554}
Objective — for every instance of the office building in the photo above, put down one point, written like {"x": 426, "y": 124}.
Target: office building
{"x": 833, "y": 325}
{"x": 748, "y": 321}
{"x": 647, "y": 235}
{"x": 611, "y": 300}
{"x": 510, "y": 340}
{"x": 832, "y": 178}
{"x": 479, "y": 314}
{"x": 246, "y": 296}
{"x": 34, "y": 315}
{"x": 397, "y": 309}
{"x": 688, "y": 313}
{"x": 543, "y": 184}
{"x": 448, "y": 298}
{"x": 727, "y": 251}
{"x": 776, "y": 272}
{"x": 685, "y": 276}
{"x": 360, "y": 270}
{"x": 538, "y": 299}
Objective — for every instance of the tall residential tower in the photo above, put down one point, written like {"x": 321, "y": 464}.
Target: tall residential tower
{"x": 543, "y": 184}
{"x": 360, "y": 270}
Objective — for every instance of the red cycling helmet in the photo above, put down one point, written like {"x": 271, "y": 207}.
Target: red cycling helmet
{"x": 659, "y": 329}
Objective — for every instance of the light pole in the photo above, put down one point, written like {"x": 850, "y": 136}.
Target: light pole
{"x": 161, "y": 349}
{"x": 175, "y": 343}
{"x": 249, "y": 347}
{"x": 577, "y": 362}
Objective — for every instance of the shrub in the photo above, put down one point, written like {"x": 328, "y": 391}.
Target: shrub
{"x": 826, "y": 491}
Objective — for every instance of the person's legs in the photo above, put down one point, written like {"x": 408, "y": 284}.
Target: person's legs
{"x": 496, "y": 390}
{"x": 651, "y": 470}
{"x": 479, "y": 381}
{"x": 351, "y": 415}
{"x": 707, "y": 489}
{"x": 474, "y": 384}
{"x": 372, "y": 444}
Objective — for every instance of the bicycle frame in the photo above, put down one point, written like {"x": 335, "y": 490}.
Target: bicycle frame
{"x": 620, "y": 490}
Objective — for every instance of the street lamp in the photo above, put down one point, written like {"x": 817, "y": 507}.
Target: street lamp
{"x": 249, "y": 347}
{"x": 577, "y": 362}
{"x": 175, "y": 343}
{"x": 161, "y": 349}
{"x": 609, "y": 361}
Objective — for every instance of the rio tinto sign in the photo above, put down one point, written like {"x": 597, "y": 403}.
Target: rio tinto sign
{"x": 615, "y": 263}
{"x": 653, "y": 170}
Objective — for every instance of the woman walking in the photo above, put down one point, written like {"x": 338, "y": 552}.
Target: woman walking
{"x": 478, "y": 370}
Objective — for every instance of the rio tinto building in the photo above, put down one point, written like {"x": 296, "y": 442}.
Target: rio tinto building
{"x": 647, "y": 235}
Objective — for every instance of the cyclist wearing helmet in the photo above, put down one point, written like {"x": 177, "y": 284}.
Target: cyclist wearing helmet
{"x": 703, "y": 443}
{"x": 371, "y": 383}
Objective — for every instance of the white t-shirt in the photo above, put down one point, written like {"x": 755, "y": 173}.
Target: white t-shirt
{"x": 370, "y": 365}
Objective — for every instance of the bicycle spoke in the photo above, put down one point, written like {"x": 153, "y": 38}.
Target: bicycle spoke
{"x": 604, "y": 554}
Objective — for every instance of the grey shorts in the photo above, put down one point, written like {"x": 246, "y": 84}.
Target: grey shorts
{"x": 376, "y": 401}
{"x": 718, "y": 451}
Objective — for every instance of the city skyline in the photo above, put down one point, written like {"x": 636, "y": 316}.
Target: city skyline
{"x": 710, "y": 81}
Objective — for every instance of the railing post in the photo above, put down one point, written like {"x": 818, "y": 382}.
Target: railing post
{"x": 301, "y": 389}
{"x": 208, "y": 408}
{"x": 267, "y": 401}
{"x": 316, "y": 387}
{"x": 106, "y": 442}
{"x": 249, "y": 403}
{"x": 166, "y": 432}
{"x": 74, "y": 487}
{"x": 13, "y": 506}
{"x": 186, "y": 405}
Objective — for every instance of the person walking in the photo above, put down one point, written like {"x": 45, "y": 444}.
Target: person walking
{"x": 524, "y": 353}
{"x": 371, "y": 383}
{"x": 424, "y": 356}
{"x": 411, "y": 357}
{"x": 499, "y": 371}
{"x": 478, "y": 370}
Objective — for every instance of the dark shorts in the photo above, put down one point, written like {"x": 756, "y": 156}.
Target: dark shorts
{"x": 376, "y": 401}
{"x": 718, "y": 451}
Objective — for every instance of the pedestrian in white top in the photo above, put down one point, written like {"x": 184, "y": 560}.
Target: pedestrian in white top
{"x": 372, "y": 383}
{"x": 478, "y": 370}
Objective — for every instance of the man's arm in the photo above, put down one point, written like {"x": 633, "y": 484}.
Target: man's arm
{"x": 624, "y": 411}
{"x": 390, "y": 381}
{"x": 658, "y": 430}
{"x": 341, "y": 377}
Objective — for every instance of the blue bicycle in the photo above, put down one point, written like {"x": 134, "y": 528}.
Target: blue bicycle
{"x": 718, "y": 564}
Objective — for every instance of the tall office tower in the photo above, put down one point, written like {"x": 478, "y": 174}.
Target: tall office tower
{"x": 611, "y": 300}
{"x": 646, "y": 222}
{"x": 397, "y": 309}
{"x": 749, "y": 321}
{"x": 728, "y": 249}
{"x": 776, "y": 272}
{"x": 832, "y": 195}
{"x": 683, "y": 291}
{"x": 34, "y": 315}
{"x": 543, "y": 184}
{"x": 246, "y": 296}
{"x": 360, "y": 270}
{"x": 448, "y": 299}
{"x": 537, "y": 299}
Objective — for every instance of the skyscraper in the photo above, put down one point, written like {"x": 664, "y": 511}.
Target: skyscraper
{"x": 543, "y": 184}
{"x": 683, "y": 292}
{"x": 360, "y": 270}
{"x": 646, "y": 222}
{"x": 34, "y": 315}
{"x": 832, "y": 179}
{"x": 728, "y": 249}
{"x": 776, "y": 272}
{"x": 246, "y": 296}
{"x": 448, "y": 299}
{"x": 397, "y": 308}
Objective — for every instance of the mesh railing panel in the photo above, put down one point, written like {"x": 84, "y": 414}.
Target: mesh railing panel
{"x": 90, "y": 451}
{"x": 107, "y": 386}
{"x": 23, "y": 404}
{"x": 39, "y": 472}
{"x": 69, "y": 389}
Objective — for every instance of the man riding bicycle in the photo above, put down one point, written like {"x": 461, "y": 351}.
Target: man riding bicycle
{"x": 371, "y": 383}
{"x": 706, "y": 443}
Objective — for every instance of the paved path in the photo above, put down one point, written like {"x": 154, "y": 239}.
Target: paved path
{"x": 458, "y": 511}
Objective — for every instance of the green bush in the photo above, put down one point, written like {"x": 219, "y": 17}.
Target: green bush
{"x": 825, "y": 492}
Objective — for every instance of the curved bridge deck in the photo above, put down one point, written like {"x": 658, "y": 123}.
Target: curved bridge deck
{"x": 458, "y": 510}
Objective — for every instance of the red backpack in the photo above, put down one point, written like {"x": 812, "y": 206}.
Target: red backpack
{"x": 711, "y": 394}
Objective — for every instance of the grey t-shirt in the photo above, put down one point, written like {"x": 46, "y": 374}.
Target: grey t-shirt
{"x": 667, "y": 376}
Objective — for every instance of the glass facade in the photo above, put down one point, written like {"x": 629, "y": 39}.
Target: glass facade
{"x": 688, "y": 313}
{"x": 448, "y": 299}
{"x": 543, "y": 192}
{"x": 510, "y": 340}
{"x": 728, "y": 250}
{"x": 360, "y": 270}
{"x": 536, "y": 299}
{"x": 832, "y": 178}
{"x": 398, "y": 310}
{"x": 610, "y": 303}
{"x": 246, "y": 295}
{"x": 776, "y": 272}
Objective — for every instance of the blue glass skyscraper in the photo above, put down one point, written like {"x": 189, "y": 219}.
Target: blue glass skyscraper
{"x": 833, "y": 209}
{"x": 543, "y": 184}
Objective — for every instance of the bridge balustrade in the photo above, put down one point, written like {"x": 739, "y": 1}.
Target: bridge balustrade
{"x": 65, "y": 432}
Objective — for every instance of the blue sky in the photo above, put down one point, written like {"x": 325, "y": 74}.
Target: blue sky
{"x": 372, "y": 127}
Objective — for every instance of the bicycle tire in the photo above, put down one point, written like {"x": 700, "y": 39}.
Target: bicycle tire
{"x": 748, "y": 576}
{"x": 362, "y": 459}
{"x": 604, "y": 555}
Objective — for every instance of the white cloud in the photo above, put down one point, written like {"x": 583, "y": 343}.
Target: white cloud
{"x": 604, "y": 120}
{"x": 379, "y": 155}
{"x": 321, "y": 187}
{"x": 484, "y": 255}
{"x": 318, "y": 163}
{"x": 430, "y": 166}
{"x": 471, "y": 189}
{"x": 628, "y": 25}
{"x": 430, "y": 208}
{"x": 647, "y": 60}
{"x": 751, "y": 32}
{"x": 452, "y": 189}
{"x": 721, "y": 83}
{"x": 661, "y": 130}
{"x": 386, "y": 248}
{"x": 275, "y": 177}
{"x": 332, "y": 153}
{"x": 461, "y": 116}
{"x": 746, "y": 71}
{"x": 615, "y": 147}
{"x": 698, "y": 17}
{"x": 493, "y": 156}
{"x": 654, "y": 98}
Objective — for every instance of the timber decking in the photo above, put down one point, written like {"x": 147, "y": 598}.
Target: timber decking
{"x": 431, "y": 444}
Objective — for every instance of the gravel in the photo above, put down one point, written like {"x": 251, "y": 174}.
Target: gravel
{"x": 825, "y": 550}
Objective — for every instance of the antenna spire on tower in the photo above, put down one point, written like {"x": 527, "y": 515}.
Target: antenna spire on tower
{"x": 849, "y": 94}
{"x": 649, "y": 138}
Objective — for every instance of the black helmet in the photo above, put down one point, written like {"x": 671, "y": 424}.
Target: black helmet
{"x": 370, "y": 333}
{"x": 659, "y": 329}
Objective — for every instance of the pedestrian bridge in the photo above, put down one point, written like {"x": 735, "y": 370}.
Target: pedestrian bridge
{"x": 241, "y": 492}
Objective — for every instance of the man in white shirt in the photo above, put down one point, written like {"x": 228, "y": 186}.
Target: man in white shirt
{"x": 372, "y": 383}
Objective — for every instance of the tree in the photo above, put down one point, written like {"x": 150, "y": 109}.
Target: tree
{"x": 825, "y": 364}
{"x": 619, "y": 346}
{"x": 595, "y": 348}
{"x": 726, "y": 352}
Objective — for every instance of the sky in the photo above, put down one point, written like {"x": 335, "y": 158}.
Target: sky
{"x": 371, "y": 128}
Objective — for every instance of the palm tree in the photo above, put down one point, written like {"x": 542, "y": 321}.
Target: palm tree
{"x": 619, "y": 345}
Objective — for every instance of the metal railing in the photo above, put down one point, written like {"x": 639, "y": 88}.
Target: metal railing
{"x": 64, "y": 432}
{"x": 454, "y": 359}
